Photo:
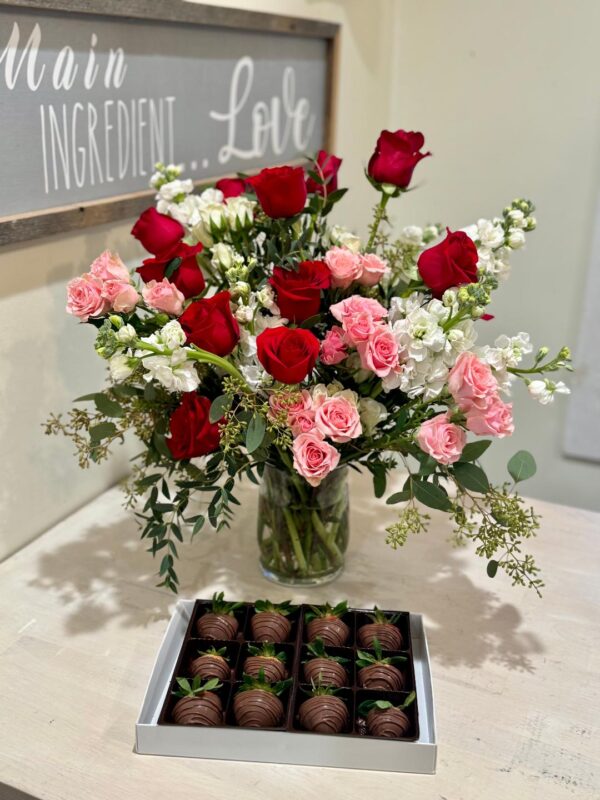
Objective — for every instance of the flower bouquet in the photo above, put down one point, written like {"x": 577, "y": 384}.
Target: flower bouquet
{"x": 257, "y": 341}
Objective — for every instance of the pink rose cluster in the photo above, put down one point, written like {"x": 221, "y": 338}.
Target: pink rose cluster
{"x": 163, "y": 296}
{"x": 363, "y": 327}
{"x": 475, "y": 391}
{"x": 314, "y": 418}
{"x": 107, "y": 286}
{"x": 347, "y": 267}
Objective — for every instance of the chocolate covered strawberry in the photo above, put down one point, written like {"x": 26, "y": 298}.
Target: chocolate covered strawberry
{"x": 220, "y": 622}
{"x": 384, "y": 628}
{"x": 385, "y": 719}
{"x": 267, "y": 659}
{"x": 323, "y": 668}
{"x": 198, "y": 703}
{"x": 377, "y": 672}
{"x": 257, "y": 704}
{"x": 269, "y": 622}
{"x": 326, "y": 623}
{"x": 323, "y": 712}
{"x": 211, "y": 663}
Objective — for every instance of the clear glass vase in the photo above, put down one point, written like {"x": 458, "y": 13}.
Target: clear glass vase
{"x": 302, "y": 531}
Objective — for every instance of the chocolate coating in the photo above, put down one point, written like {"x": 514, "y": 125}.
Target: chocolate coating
{"x": 323, "y": 714}
{"x": 390, "y": 723}
{"x": 257, "y": 709}
{"x": 208, "y": 666}
{"x": 217, "y": 626}
{"x": 388, "y": 635}
{"x": 386, "y": 677}
{"x": 268, "y": 626}
{"x": 204, "y": 709}
{"x": 326, "y": 672}
{"x": 273, "y": 668}
{"x": 332, "y": 630}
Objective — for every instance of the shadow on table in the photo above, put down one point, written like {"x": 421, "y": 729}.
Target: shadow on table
{"x": 100, "y": 578}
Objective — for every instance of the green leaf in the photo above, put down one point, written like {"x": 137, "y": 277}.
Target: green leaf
{"x": 85, "y": 397}
{"x": 125, "y": 390}
{"x": 102, "y": 431}
{"x": 158, "y": 440}
{"x": 255, "y": 433}
{"x": 311, "y": 321}
{"x": 431, "y": 495}
{"x": 522, "y": 466}
{"x": 475, "y": 450}
{"x": 172, "y": 266}
{"x": 108, "y": 407}
{"x": 198, "y": 524}
{"x": 492, "y": 568}
{"x": 398, "y": 497}
{"x": 219, "y": 407}
{"x": 471, "y": 477}
{"x": 149, "y": 393}
{"x": 184, "y": 684}
{"x": 379, "y": 482}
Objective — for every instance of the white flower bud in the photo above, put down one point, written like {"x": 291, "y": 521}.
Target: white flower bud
{"x": 126, "y": 334}
{"x": 120, "y": 367}
{"x": 172, "y": 335}
{"x": 516, "y": 217}
{"x": 516, "y": 238}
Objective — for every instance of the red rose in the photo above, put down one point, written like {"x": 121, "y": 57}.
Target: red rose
{"x": 395, "y": 157}
{"x": 450, "y": 263}
{"x": 188, "y": 277}
{"x": 299, "y": 293}
{"x": 329, "y": 167}
{"x": 157, "y": 232}
{"x": 281, "y": 191}
{"x": 209, "y": 324}
{"x": 288, "y": 354}
{"x": 192, "y": 433}
{"x": 231, "y": 187}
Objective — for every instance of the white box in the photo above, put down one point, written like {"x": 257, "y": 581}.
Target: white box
{"x": 282, "y": 747}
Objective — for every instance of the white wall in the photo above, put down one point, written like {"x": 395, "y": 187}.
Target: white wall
{"x": 507, "y": 96}
{"x": 46, "y": 361}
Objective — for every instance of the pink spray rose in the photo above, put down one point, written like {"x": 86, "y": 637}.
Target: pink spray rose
{"x": 297, "y": 407}
{"x": 373, "y": 269}
{"x": 163, "y": 296}
{"x": 442, "y": 439}
{"x": 121, "y": 295}
{"x": 333, "y": 346}
{"x": 344, "y": 266}
{"x": 358, "y": 305}
{"x": 471, "y": 382}
{"x": 314, "y": 458}
{"x": 109, "y": 267}
{"x": 85, "y": 299}
{"x": 379, "y": 353}
{"x": 338, "y": 418}
{"x": 494, "y": 419}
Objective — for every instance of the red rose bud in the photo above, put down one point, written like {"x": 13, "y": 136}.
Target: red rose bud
{"x": 187, "y": 277}
{"x": 452, "y": 262}
{"x": 288, "y": 354}
{"x": 299, "y": 293}
{"x": 395, "y": 157}
{"x": 157, "y": 232}
{"x": 209, "y": 324}
{"x": 192, "y": 433}
{"x": 328, "y": 167}
{"x": 281, "y": 191}
{"x": 231, "y": 187}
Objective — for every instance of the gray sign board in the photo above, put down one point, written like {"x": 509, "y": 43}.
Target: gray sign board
{"x": 89, "y": 102}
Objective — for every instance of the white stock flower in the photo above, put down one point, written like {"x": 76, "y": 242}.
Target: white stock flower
{"x": 544, "y": 390}
{"x": 412, "y": 235}
{"x": 239, "y": 211}
{"x": 172, "y": 335}
{"x": 225, "y": 257}
{"x": 265, "y": 297}
{"x": 213, "y": 214}
{"x": 508, "y": 351}
{"x": 174, "y": 189}
{"x": 120, "y": 367}
{"x": 211, "y": 196}
{"x": 490, "y": 234}
{"x": 371, "y": 414}
{"x": 187, "y": 212}
{"x": 342, "y": 237}
{"x": 255, "y": 376}
{"x": 243, "y": 314}
{"x": 126, "y": 334}
{"x": 174, "y": 372}
{"x": 517, "y": 218}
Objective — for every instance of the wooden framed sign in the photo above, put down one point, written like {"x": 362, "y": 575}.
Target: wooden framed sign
{"x": 94, "y": 92}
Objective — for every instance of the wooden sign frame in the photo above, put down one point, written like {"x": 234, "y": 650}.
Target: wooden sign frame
{"x": 46, "y": 222}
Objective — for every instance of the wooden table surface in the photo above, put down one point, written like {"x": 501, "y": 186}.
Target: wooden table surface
{"x": 516, "y": 679}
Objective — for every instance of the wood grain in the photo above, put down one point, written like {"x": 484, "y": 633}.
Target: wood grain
{"x": 515, "y": 678}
